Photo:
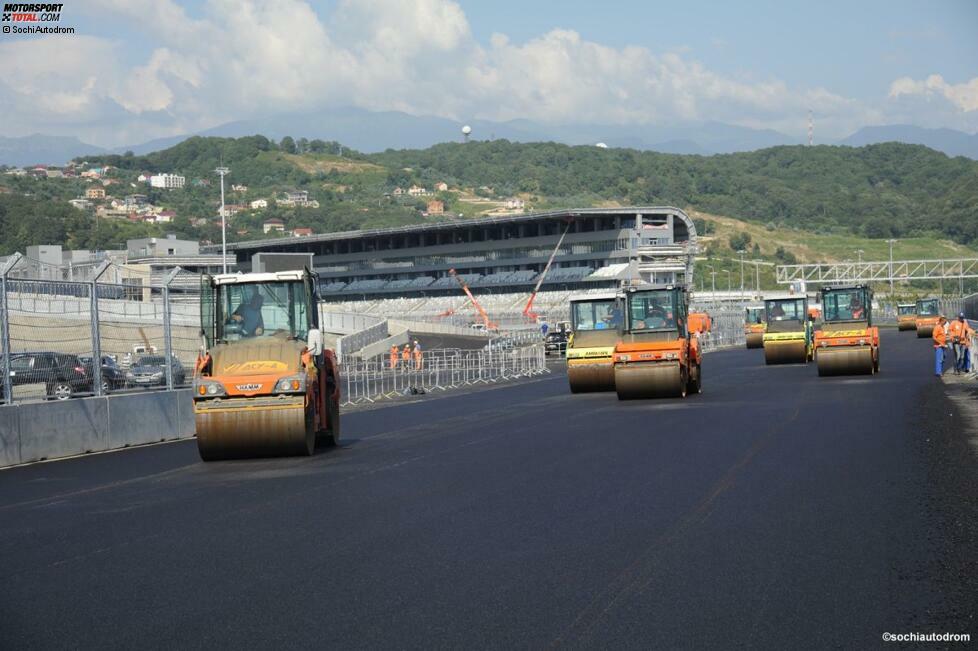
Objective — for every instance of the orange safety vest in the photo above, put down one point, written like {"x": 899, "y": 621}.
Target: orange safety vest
{"x": 957, "y": 329}
{"x": 406, "y": 354}
{"x": 939, "y": 336}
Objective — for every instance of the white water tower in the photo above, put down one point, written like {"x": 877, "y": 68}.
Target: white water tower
{"x": 466, "y": 131}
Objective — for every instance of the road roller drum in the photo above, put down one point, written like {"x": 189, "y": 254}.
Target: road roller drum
{"x": 786, "y": 352}
{"x": 925, "y": 332}
{"x": 650, "y": 380}
{"x": 257, "y": 430}
{"x": 755, "y": 340}
{"x": 845, "y": 360}
{"x": 584, "y": 378}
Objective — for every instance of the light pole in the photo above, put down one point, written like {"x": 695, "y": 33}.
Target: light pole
{"x": 224, "y": 240}
{"x": 741, "y": 252}
{"x": 859, "y": 254}
{"x": 757, "y": 276}
{"x": 891, "y": 242}
{"x": 713, "y": 274}
{"x": 728, "y": 280}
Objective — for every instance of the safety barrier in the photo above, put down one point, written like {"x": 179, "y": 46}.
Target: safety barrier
{"x": 373, "y": 380}
{"x": 33, "y": 431}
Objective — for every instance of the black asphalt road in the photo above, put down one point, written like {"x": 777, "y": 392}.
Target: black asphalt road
{"x": 775, "y": 510}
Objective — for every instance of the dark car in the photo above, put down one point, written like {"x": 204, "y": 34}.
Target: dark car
{"x": 113, "y": 377}
{"x": 555, "y": 342}
{"x": 62, "y": 375}
{"x": 150, "y": 371}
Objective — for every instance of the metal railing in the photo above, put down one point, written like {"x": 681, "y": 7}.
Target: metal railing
{"x": 377, "y": 379}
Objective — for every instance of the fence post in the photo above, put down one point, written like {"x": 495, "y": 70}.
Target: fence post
{"x": 8, "y": 389}
{"x": 167, "y": 338}
{"x": 96, "y": 336}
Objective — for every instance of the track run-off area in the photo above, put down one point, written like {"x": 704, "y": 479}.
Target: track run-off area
{"x": 777, "y": 510}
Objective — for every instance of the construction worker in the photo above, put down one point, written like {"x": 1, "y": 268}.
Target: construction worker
{"x": 958, "y": 331}
{"x": 940, "y": 346}
{"x": 417, "y": 356}
{"x": 406, "y": 355}
{"x": 393, "y": 356}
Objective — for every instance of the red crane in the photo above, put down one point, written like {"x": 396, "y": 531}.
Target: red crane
{"x": 482, "y": 312}
{"x": 528, "y": 310}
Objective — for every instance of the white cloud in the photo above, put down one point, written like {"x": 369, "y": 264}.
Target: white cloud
{"x": 963, "y": 96}
{"x": 243, "y": 58}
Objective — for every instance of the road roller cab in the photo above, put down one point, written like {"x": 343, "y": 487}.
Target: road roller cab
{"x": 928, "y": 312}
{"x": 907, "y": 316}
{"x": 788, "y": 337}
{"x": 657, "y": 356}
{"x": 596, "y": 324}
{"x": 264, "y": 385}
{"x": 847, "y": 343}
{"x": 754, "y": 326}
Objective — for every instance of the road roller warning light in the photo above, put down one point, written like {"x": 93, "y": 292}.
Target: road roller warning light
{"x": 754, "y": 326}
{"x": 928, "y": 311}
{"x": 847, "y": 343}
{"x": 264, "y": 385}
{"x": 657, "y": 356}
{"x": 907, "y": 316}
{"x": 788, "y": 337}
{"x": 596, "y": 323}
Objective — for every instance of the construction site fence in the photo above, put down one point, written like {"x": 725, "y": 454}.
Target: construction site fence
{"x": 68, "y": 339}
{"x": 378, "y": 379}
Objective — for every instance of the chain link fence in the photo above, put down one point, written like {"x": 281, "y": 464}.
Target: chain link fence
{"x": 121, "y": 330}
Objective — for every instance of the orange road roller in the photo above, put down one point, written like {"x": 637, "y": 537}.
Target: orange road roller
{"x": 596, "y": 322}
{"x": 907, "y": 316}
{"x": 657, "y": 357}
{"x": 754, "y": 326}
{"x": 928, "y": 312}
{"x": 847, "y": 343}
{"x": 264, "y": 385}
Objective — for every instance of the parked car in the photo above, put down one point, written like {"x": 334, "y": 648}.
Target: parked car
{"x": 150, "y": 370}
{"x": 113, "y": 377}
{"x": 63, "y": 376}
{"x": 555, "y": 342}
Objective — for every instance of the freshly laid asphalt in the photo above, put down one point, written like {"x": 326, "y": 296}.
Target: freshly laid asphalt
{"x": 776, "y": 510}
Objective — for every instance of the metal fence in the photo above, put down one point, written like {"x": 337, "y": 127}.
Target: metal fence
{"x": 64, "y": 338}
{"x": 372, "y": 380}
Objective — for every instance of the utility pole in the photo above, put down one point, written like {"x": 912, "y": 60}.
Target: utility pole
{"x": 713, "y": 273}
{"x": 891, "y": 242}
{"x": 224, "y": 240}
{"x": 728, "y": 280}
{"x": 859, "y": 254}
{"x": 742, "y": 252}
{"x": 757, "y": 278}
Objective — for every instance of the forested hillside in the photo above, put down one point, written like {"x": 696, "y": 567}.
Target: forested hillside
{"x": 878, "y": 191}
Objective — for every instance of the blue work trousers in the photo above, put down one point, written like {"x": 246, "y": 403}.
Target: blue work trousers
{"x": 939, "y": 360}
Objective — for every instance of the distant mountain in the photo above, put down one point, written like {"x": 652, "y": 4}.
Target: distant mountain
{"x": 949, "y": 141}
{"x": 37, "y": 149}
{"x": 371, "y": 132}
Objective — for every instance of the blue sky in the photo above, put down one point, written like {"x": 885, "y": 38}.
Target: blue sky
{"x": 139, "y": 69}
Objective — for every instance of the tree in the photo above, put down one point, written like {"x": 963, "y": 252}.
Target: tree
{"x": 302, "y": 145}
{"x": 288, "y": 145}
{"x": 739, "y": 241}
{"x": 317, "y": 146}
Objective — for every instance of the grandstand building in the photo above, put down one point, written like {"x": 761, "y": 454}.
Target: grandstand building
{"x": 601, "y": 248}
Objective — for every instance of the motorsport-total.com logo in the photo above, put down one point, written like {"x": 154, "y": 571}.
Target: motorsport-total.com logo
{"x": 24, "y": 14}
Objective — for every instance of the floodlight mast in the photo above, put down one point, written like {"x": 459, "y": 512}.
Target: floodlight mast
{"x": 224, "y": 240}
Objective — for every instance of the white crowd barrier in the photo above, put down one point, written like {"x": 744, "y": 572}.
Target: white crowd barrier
{"x": 373, "y": 380}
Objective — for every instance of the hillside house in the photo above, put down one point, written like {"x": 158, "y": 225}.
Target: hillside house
{"x": 273, "y": 224}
